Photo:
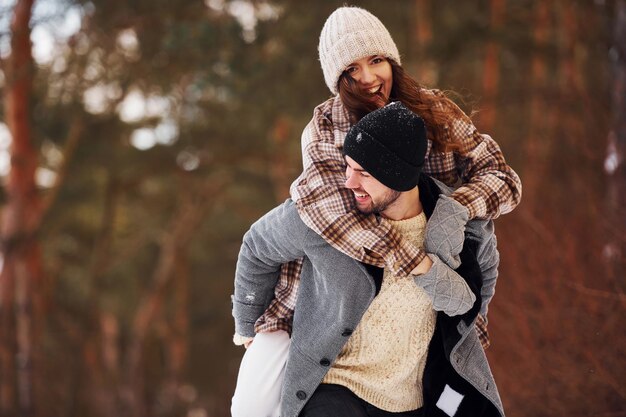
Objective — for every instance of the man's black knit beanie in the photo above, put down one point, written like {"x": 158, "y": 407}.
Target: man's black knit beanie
{"x": 390, "y": 144}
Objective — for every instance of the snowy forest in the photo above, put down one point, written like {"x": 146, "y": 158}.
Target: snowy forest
{"x": 140, "y": 139}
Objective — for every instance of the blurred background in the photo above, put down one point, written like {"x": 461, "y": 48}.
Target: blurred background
{"x": 139, "y": 139}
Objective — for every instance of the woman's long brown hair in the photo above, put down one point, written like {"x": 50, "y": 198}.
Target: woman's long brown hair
{"x": 437, "y": 110}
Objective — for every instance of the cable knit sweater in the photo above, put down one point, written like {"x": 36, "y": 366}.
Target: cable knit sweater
{"x": 383, "y": 361}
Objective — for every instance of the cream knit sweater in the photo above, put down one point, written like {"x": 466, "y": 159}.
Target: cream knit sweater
{"x": 383, "y": 361}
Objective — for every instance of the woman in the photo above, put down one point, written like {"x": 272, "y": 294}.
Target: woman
{"x": 362, "y": 68}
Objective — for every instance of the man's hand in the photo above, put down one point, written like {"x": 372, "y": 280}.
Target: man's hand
{"x": 445, "y": 231}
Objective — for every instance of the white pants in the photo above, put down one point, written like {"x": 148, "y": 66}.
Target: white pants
{"x": 260, "y": 378}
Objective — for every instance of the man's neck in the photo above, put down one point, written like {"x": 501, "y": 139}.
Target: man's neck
{"x": 407, "y": 206}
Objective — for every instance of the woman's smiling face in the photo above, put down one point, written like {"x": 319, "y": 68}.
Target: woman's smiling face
{"x": 373, "y": 74}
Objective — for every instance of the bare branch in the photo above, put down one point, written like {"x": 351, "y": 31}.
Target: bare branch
{"x": 71, "y": 144}
{"x": 191, "y": 209}
{"x": 597, "y": 293}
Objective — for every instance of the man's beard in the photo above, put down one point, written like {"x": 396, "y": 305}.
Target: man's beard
{"x": 379, "y": 206}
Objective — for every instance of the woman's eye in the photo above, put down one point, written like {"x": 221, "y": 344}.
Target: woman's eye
{"x": 350, "y": 70}
{"x": 377, "y": 60}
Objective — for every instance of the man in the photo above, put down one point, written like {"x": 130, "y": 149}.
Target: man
{"x": 366, "y": 342}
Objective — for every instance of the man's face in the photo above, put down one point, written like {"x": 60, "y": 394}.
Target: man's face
{"x": 371, "y": 195}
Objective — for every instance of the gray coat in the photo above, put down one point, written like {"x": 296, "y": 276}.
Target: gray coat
{"x": 335, "y": 291}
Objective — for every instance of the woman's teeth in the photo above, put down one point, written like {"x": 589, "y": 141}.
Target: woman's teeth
{"x": 375, "y": 90}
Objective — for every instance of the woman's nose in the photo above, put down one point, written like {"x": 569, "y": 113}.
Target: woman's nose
{"x": 367, "y": 75}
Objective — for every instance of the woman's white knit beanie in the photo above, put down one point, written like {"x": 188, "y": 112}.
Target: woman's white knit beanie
{"x": 349, "y": 34}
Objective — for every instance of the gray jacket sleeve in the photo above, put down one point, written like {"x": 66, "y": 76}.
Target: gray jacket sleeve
{"x": 448, "y": 290}
{"x": 276, "y": 238}
{"x": 451, "y": 294}
{"x": 488, "y": 258}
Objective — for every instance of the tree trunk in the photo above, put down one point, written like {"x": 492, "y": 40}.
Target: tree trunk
{"x": 7, "y": 345}
{"x": 537, "y": 142}
{"x": 571, "y": 76}
{"x": 193, "y": 204}
{"x": 178, "y": 344}
{"x": 280, "y": 168}
{"x": 21, "y": 269}
{"x": 425, "y": 69}
{"x": 536, "y": 154}
{"x": 491, "y": 72}
{"x": 101, "y": 365}
{"x": 615, "y": 168}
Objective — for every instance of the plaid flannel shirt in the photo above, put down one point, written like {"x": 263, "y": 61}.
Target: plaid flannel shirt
{"x": 489, "y": 187}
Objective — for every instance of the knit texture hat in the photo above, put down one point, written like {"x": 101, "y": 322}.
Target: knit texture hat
{"x": 390, "y": 144}
{"x": 349, "y": 34}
